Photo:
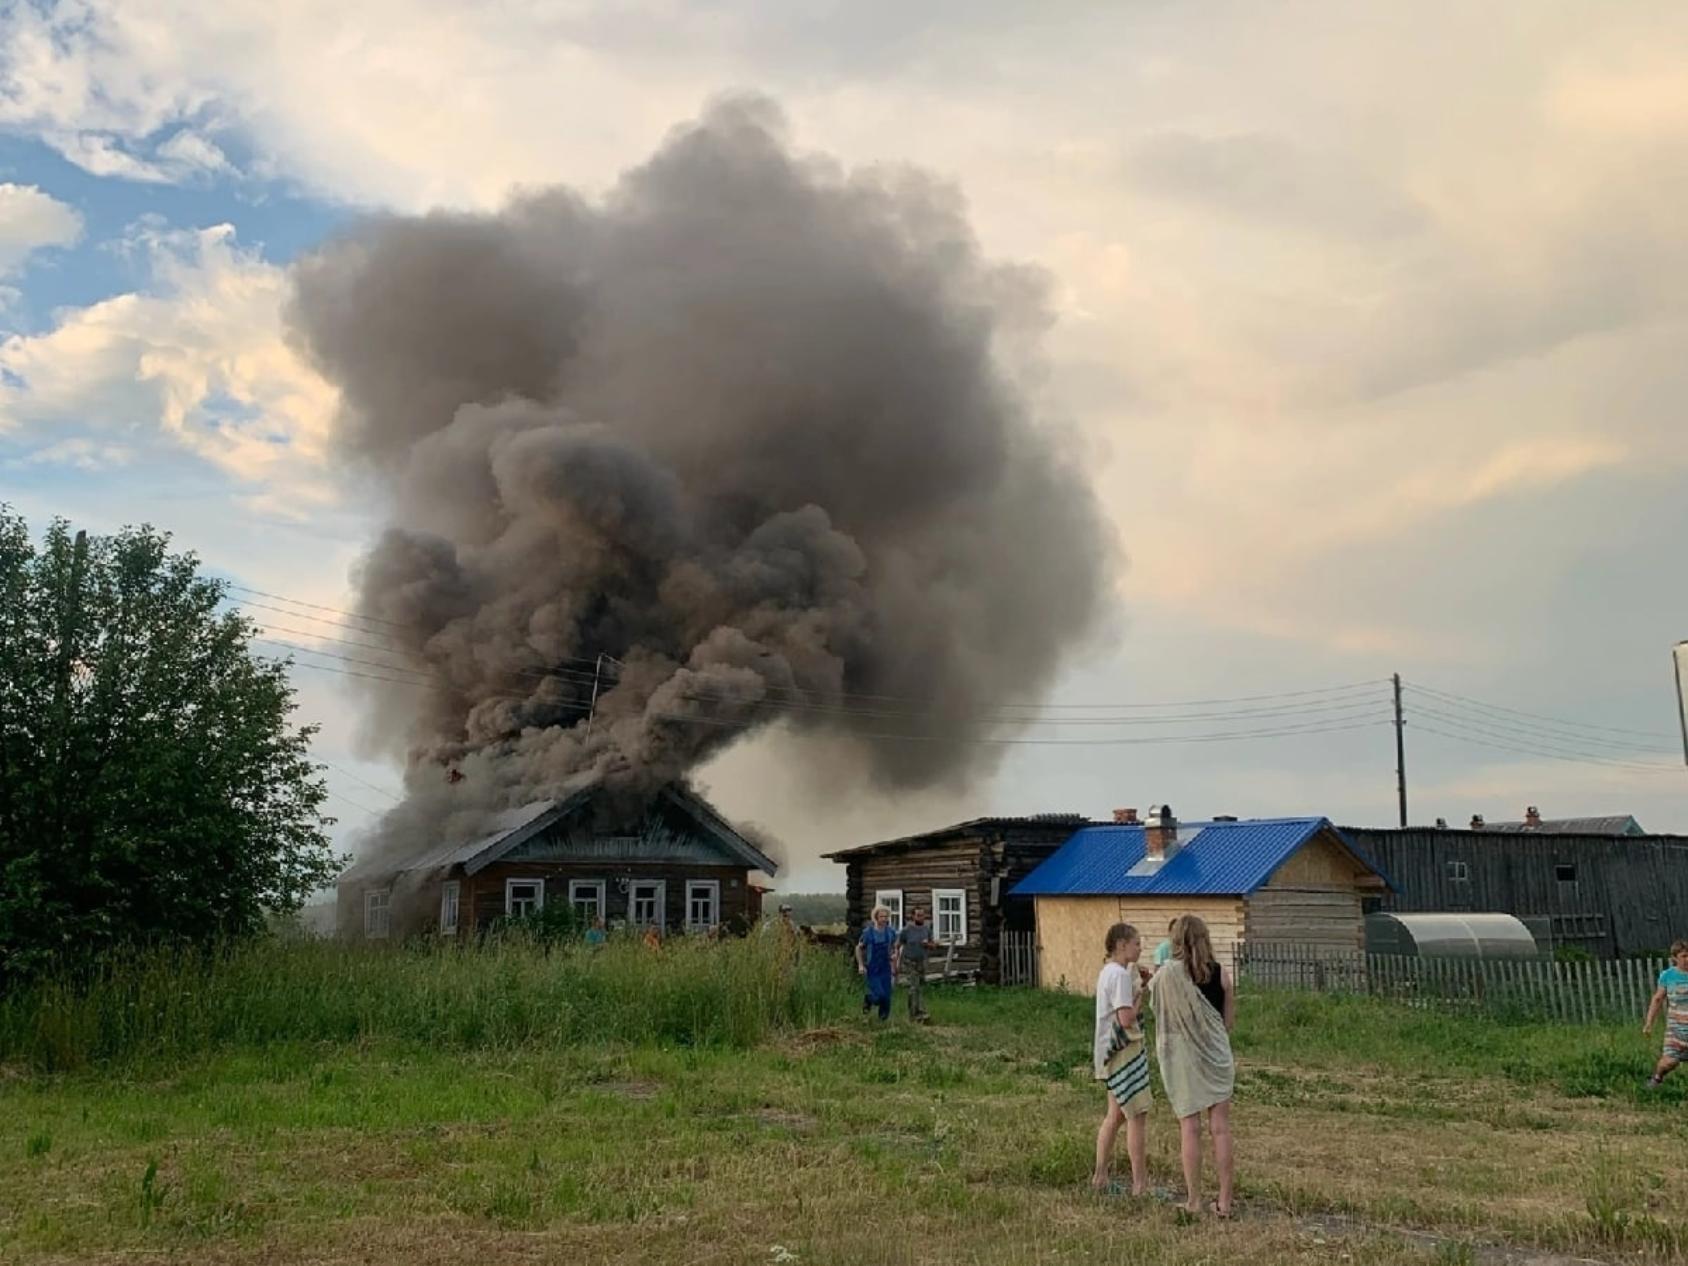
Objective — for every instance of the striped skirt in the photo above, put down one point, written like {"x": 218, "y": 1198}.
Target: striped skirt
{"x": 1676, "y": 1037}
{"x": 1127, "y": 1076}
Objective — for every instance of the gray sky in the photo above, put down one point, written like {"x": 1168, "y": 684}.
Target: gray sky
{"x": 1370, "y": 317}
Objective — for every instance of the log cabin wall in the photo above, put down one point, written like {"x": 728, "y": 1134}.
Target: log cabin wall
{"x": 985, "y": 862}
{"x": 1313, "y": 899}
{"x": 915, "y": 874}
{"x": 482, "y": 897}
{"x": 414, "y": 903}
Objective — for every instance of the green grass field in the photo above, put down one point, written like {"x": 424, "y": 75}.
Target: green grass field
{"x": 350, "y": 1107}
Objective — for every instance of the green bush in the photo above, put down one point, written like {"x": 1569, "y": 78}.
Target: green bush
{"x": 556, "y": 924}
{"x": 512, "y": 990}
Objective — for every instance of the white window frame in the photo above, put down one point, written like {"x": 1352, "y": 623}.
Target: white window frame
{"x": 892, "y": 900}
{"x": 596, "y": 889}
{"x": 958, "y": 934}
{"x": 713, "y": 888}
{"x": 451, "y": 897}
{"x": 510, "y": 886}
{"x": 1459, "y": 872}
{"x": 377, "y": 901}
{"x": 661, "y": 886}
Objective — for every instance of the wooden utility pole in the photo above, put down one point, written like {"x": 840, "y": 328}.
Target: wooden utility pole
{"x": 1676, "y": 657}
{"x": 1400, "y": 750}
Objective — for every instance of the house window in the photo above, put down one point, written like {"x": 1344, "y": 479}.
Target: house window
{"x": 1565, "y": 873}
{"x": 949, "y": 917}
{"x": 892, "y": 900}
{"x": 1459, "y": 872}
{"x": 448, "y": 907}
{"x": 523, "y": 897}
{"x": 587, "y": 898}
{"x": 703, "y": 904}
{"x": 376, "y": 909}
{"x": 645, "y": 901}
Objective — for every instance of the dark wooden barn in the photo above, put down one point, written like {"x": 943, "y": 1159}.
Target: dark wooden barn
{"x": 671, "y": 861}
{"x": 1611, "y": 894}
{"x": 961, "y": 875}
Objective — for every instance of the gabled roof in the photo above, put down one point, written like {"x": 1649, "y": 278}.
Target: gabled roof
{"x": 704, "y": 814}
{"x": 1042, "y": 821}
{"x": 1212, "y": 859}
{"x": 1616, "y": 824}
{"x": 515, "y": 827}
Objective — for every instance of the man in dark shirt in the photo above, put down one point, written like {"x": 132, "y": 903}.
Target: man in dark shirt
{"x": 913, "y": 943}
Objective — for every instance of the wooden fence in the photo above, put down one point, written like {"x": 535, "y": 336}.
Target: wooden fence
{"x": 1590, "y": 992}
{"x": 1019, "y": 958}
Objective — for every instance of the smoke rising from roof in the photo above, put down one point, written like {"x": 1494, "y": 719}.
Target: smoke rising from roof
{"x": 745, "y": 427}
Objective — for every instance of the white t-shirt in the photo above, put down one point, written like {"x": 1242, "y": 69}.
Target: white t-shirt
{"x": 1116, "y": 987}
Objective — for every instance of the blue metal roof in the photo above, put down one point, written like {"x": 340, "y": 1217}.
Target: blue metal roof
{"x": 1218, "y": 859}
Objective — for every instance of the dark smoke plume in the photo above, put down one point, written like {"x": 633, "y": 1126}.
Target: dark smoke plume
{"x": 744, "y": 427}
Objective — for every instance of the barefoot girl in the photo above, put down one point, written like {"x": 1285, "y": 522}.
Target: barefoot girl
{"x": 1121, "y": 1060}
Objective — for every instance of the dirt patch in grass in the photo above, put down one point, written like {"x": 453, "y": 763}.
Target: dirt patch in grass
{"x": 778, "y": 1118}
{"x": 1339, "y": 1229}
{"x": 635, "y": 1089}
{"x": 823, "y": 1038}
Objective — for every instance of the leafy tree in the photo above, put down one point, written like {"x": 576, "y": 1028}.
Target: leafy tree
{"x": 151, "y": 783}
{"x": 810, "y": 909}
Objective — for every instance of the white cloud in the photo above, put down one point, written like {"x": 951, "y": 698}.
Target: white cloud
{"x": 183, "y": 156}
{"x": 188, "y": 151}
{"x": 80, "y": 453}
{"x": 199, "y": 360}
{"x": 30, "y": 220}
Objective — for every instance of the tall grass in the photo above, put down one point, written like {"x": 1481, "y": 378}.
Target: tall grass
{"x": 507, "y": 992}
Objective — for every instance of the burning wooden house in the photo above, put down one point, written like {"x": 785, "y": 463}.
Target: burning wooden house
{"x": 671, "y": 862}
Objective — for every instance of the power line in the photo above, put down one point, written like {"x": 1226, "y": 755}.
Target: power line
{"x": 1342, "y": 710}
{"x": 311, "y": 619}
{"x": 1459, "y": 713}
{"x": 1524, "y": 751}
{"x": 1334, "y": 697}
{"x": 1346, "y": 687}
{"x": 381, "y": 791}
{"x": 1465, "y": 723}
{"x": 1216, "y": 737}
{"x": 1221, "y": 737}
{"x": 1329, "y": 709}
{"x": 314, "y": 606}
{"x": 363, "y": 808}
{"x": 1334, "y": 703}
{"x": 345, "y": 672}
{"x": 1536, "y": 716}
{"x": 348, "y": 659}
{"x": 1532, "y": 748}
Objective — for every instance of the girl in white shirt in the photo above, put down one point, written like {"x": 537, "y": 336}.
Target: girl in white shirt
{"x": 1121, "y": 1060}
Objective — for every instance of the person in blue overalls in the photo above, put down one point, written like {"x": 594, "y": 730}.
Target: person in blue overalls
{"x": 876, "y": 954}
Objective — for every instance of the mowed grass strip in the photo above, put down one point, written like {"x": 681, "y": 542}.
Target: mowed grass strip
{"x": 839, "y": 1141}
